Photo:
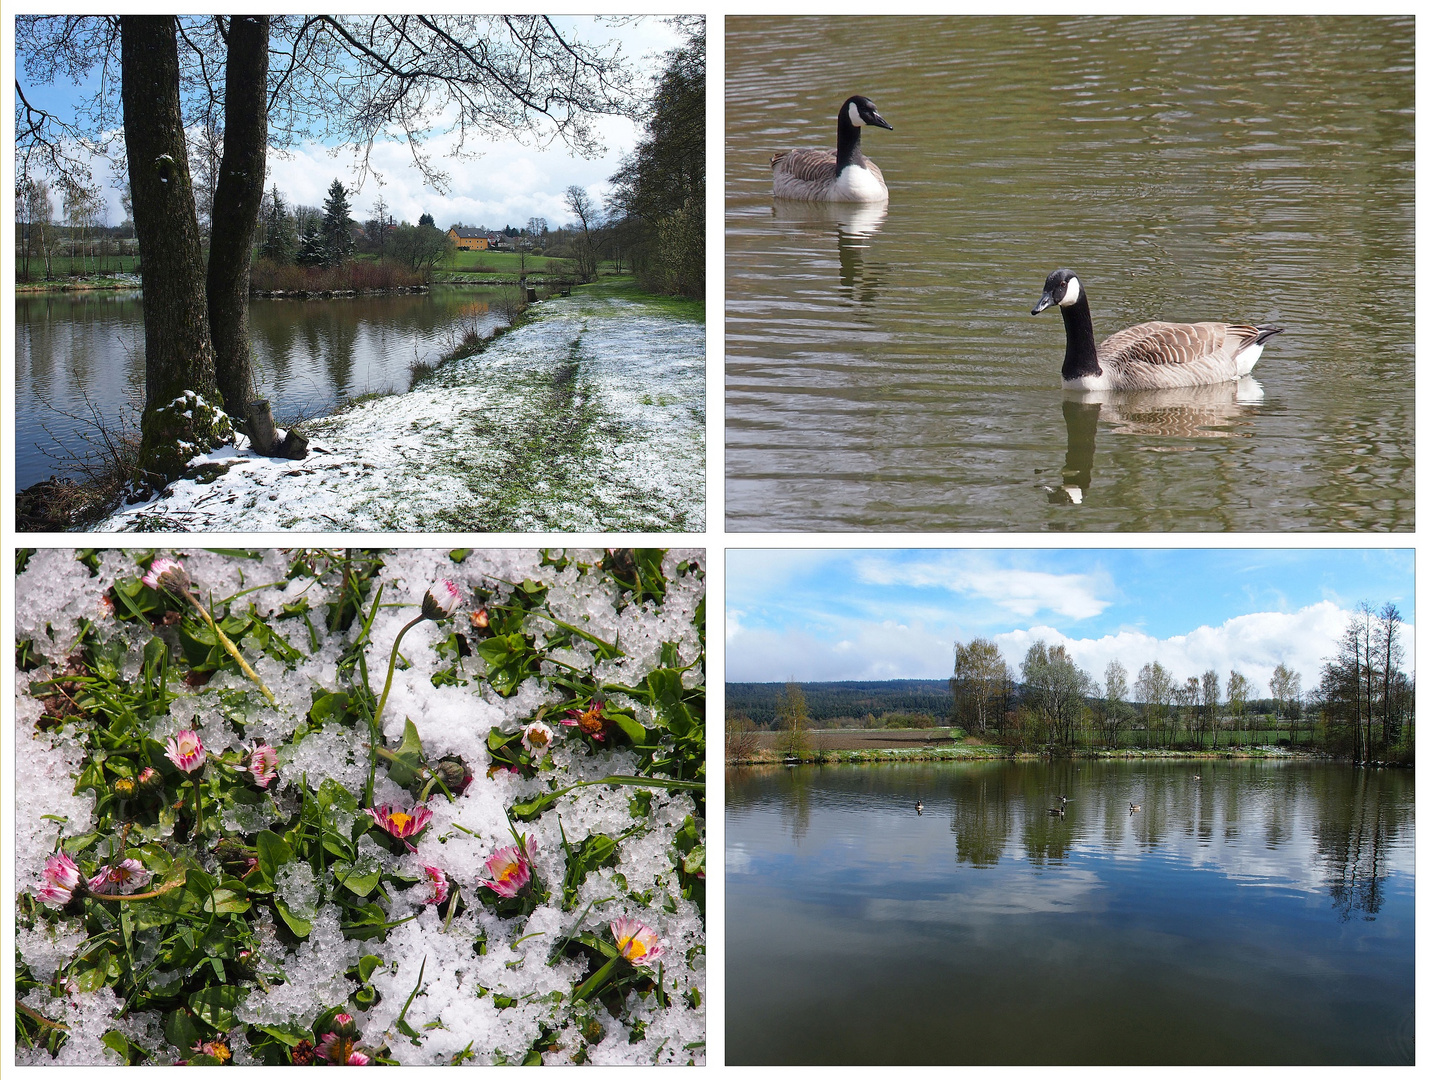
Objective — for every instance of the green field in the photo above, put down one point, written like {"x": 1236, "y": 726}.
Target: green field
{"x": 498, "y": 262}
{"x": 62, "y": 266}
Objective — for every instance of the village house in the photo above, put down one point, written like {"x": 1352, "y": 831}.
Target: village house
{"x": 468, "y": 239}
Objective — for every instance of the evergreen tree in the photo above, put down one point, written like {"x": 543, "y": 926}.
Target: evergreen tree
{"x": 337, "y": 233}
{"x": 310, "y": 250}
{"x": 426, "y": 219}
{"x": 280, "y": 240}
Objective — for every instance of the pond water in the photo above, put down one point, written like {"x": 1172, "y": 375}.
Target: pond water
{"x": 73, "y": 350}
{"x": 1248, "y": 913}
{"x": 883, "y": 371}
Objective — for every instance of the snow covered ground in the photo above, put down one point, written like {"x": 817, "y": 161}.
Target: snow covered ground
{"x": 590, "y": 418}
{"x": 493, "y": 987}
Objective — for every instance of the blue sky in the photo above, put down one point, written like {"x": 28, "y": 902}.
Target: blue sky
{"x": 507, "y": 185}
{"x": 896, "y": 613}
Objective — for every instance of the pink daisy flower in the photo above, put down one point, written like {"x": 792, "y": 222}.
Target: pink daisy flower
{"x": 186, "y": 751}
{"x": 441, "y": 600}
{"x": 437, "y": 885}
{"x": 122, "y": 877}
{"x": 400, "y": 823}
{"x": 61, "y": 877}
{"x": 592, "y": 721}
{"x": 510, "y": 868}
{"x": 262, "y": 764}
{"x": 636, "y": 941}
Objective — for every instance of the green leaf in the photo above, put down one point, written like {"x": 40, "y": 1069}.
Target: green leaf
{"x": 214, "y": 1005}
{"x": 273, "y": 852}
{"x": 332, "y": 793}
{"x": 367, "y": 965}
{"x": 300, "y": 926}
{"x": 179, "y": 1029}
{"x": 230, "y": 898}
{"x": 628, "y": 724}
{"x": 408, "y": 761}
{"x": 360, "y": 877}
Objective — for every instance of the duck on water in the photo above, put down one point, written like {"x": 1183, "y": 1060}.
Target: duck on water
{"x": 1151, "y": 355}
{"x": 843, "y": 174}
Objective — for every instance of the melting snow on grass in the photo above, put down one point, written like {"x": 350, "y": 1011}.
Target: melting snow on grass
{"x": 483, "y": 843}
{"x": 589, "y": 418}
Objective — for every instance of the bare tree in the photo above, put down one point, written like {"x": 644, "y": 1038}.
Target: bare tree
{"x": 1154, "y": 689}
{"x": 741, "y": 738}
{"x": 1054, "y": 688}
{"x": 1211, "y": 697}
{"x": 586, "y": 211}
{"x": 1114, "y": 699}
{"x": 1390, "y": 652}
{"x": 1238, "y": 689}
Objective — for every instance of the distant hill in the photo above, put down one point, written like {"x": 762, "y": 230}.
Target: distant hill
{"x": 830, "y": 701}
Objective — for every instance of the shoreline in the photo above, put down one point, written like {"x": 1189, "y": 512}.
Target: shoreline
{"x": 894, "y": 755}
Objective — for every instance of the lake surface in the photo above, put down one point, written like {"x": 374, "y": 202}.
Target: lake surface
{"x": 883, "y": 371}
{"x": 77, "y": 349}
{"x": 1264, "y": 913}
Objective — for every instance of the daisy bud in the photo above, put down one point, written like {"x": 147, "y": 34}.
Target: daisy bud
{"x": 441, "y": 600}
{"x": 167, "y": 574}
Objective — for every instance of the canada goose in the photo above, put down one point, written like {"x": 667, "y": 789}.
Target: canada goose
{"x": 1060, "y": 811}
{"x": 1133, "y": 807}
{"x": 919, "y": 806}
{"x": 840, "y": 175}
{"x": 1152, "y": 355}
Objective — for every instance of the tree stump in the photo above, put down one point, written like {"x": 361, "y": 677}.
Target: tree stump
{"x": 260, "y": 426}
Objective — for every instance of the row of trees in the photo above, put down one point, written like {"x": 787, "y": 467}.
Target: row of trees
{"x": 39, "y": 235}
{"x": 1363, "y": 703}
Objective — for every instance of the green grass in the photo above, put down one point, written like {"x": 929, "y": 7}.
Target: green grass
{"x": 500, "y": 262}
{"x": 625, "y": 287}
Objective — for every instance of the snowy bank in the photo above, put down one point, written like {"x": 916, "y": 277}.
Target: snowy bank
{"x": 589, "y": 418}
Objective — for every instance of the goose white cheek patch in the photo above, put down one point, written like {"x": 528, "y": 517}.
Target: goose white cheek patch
{"x": 854, "y": 117}
{"x": 1074, "y": 290}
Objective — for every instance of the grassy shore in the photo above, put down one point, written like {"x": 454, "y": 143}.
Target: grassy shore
{"x": 844, "y": 746}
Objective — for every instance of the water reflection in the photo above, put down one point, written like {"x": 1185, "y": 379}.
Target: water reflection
{"x": 851, "y": 226}
{"x": 1191, "y": 412}
{"x": 1246, "y": 905}
{"x": 79, "y": 357}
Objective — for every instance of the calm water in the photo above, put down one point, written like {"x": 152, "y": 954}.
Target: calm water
{"x": 81, "y": 348}
{"x": 883, "y": 370}
{"x": 1259, "y": 914}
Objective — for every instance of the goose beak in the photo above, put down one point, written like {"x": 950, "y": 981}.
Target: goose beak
{"x": 879, "y": 121}
{"x": 1046, "y": 302}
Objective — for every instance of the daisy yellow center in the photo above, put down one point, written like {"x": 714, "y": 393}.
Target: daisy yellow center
{"x": 632, "y": 949}
{"x": 400, "y": 821}
{"x": 508, "y": 872}
{"x": 221, "y": 1052}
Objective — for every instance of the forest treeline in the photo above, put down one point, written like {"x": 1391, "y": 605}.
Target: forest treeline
{"x": 1361, "y": 705}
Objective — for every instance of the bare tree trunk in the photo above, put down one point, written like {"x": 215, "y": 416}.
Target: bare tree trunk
{"x": 178, "y": 355}
{"x": 238, "y": 199}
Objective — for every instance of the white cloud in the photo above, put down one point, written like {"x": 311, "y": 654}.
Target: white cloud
{"x": 1023, "y": 592}
{"x": 1252, "y": 644}
{"x": 911, "y": 649}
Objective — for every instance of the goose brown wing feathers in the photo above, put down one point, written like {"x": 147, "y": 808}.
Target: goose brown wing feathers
{"x": 1164, "y": 343}
{"x": 812, "y": 166}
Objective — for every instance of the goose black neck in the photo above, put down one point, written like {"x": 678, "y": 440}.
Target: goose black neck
{"x": 1081, "y": 357}
{"x": 848, "y": 151}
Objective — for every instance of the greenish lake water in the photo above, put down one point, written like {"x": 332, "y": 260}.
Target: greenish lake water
{"x": 1249, "y": 913}
{"x": 883, "y": 371}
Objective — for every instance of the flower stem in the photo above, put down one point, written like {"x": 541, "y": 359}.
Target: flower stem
{"x": 230, "y": 647}
{"x": 160, "y": 891}
{"x": 198, "y": 808}
{"x": 391, "y": 667}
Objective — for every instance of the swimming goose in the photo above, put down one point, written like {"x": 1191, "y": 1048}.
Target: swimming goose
{"x": 1060, "y": 811}
{"x": 1133, "y": 807}
{"x": 1151, "y": 355}
{"x": 919, "y": 806}
{"x": 840, "y": 175}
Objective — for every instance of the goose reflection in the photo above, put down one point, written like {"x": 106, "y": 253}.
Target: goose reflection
{"x": 1190, "y": 412}
{"x": 852, "y": 225}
